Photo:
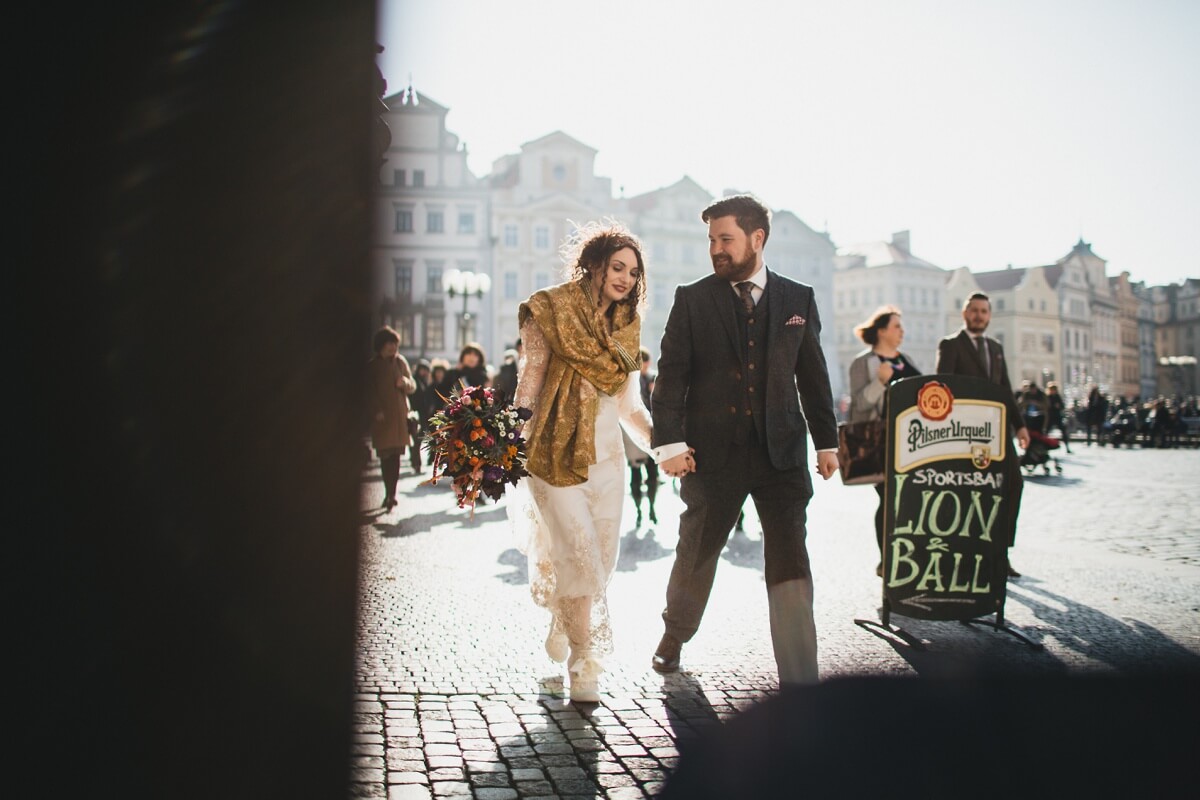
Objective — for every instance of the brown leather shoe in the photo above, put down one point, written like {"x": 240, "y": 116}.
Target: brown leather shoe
{"x": 666, "y": 657}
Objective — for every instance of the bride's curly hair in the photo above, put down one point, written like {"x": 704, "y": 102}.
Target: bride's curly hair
{"x": 588, "y": 249}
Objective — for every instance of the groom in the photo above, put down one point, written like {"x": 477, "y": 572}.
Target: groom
{"x": 740, "y": 356}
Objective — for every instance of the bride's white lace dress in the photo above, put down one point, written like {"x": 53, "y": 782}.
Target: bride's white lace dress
{"x": 571, "y": 534}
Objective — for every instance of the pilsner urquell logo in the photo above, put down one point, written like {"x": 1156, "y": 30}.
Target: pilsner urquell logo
{"x": 935, "y": 402}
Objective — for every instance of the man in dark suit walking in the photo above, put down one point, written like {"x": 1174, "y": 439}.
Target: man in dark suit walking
{"x": 740, "y": 356}
{"x": 970, "y": 353}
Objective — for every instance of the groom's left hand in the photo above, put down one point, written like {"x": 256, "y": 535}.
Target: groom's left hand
{"x": 827, "y": 464}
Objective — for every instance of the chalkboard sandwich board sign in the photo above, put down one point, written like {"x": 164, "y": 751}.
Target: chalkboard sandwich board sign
{"x": 946, "y": 521}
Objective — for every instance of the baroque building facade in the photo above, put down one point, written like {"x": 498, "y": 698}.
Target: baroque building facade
{"x": 432, "y": 216}
{"x": 539, "y": 196}
{"x": 887, "y": 273}
{"x": 1066, "y": 321}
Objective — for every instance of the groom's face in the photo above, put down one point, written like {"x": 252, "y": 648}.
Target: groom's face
{"x": 734, "y": 254}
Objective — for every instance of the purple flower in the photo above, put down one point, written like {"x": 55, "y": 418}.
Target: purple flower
{"x": 493, "y": 474}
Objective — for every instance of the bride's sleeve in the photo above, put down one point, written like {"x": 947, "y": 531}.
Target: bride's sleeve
{"x": 531, "y": 370}
{"x": 635, "y": 417}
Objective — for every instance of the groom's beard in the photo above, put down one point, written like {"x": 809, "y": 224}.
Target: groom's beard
{"x": 731, "y": 270}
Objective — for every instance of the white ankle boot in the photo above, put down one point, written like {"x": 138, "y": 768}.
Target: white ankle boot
{"x": 584, "y": 672}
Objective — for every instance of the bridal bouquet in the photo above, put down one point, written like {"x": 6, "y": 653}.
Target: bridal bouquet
{"x": 475, "y": 441}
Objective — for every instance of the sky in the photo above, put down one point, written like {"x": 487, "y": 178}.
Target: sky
{"x": 996, "y": 132}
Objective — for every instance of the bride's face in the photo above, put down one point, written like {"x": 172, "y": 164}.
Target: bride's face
{"x": 619, "y": 276}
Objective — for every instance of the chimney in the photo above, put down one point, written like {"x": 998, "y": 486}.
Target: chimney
{"x": 900, "y": 241}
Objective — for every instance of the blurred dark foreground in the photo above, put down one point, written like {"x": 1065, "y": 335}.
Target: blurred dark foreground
{"x": 982, "y": 737}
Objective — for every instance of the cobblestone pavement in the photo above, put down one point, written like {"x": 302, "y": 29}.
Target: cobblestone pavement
{"x": 456, "y": 698}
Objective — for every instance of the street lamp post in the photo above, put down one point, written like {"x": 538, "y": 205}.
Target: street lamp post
{"x": 466, "y": 284}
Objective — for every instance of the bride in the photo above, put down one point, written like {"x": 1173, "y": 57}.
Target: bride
{"x": 581, "y": 341}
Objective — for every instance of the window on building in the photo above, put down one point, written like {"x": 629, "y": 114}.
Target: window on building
{"x": 405, "y": 326}
{"x": 418, "y": 177}
{"x": 840, "y": 298}
{"x": 1043, "y": 306}
{"x": 1000, "y": 338}
{"x": 510, "y": 235}
{"x": 435, "y": 333}
{"x": 510, "y": 286}
{"x": 404, "y": 220}
{"x": 541, "y": 237}
{"x": 1031, "y": 304}
{"x": 541, "y": 280}
{"x": 1000, "y": 304}
{"x": 1048, "y": 342}
{"x": 435, "y": 222}
{"x": 398, "y": 178}
{"x": 466, "y": 222}
{"x": 433, "y": 277}
{"x": 404, "y": 281}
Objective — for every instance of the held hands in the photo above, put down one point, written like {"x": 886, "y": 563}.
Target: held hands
{"x": 680, "y": 465}
{"x": 827, "y": 464}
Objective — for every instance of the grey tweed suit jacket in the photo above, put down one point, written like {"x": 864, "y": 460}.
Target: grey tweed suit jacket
{"x": 697, "y": 397}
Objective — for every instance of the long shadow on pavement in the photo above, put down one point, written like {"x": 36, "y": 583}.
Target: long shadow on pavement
{"x": 519, "y": 562}
{"x": 954, "y": 649}
{"x": 634, "y": 550}
{"x": 1131, "y": 647}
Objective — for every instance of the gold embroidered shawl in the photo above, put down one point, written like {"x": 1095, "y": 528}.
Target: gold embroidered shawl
{"x": 561, "y": 437}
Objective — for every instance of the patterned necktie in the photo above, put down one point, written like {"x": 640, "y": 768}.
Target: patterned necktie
{"x": 747, "y": 299}
{"x": 987, "y": 368}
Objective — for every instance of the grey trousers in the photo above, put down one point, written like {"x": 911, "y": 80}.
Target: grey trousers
{"x": 714, "y": 500}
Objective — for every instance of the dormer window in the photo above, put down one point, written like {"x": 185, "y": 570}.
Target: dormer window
{"x": 559, "y": 172}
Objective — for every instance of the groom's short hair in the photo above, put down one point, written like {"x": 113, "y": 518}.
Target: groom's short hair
{"x": 750, "y": 212}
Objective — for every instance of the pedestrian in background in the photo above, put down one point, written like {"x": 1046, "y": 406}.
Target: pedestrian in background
{"x": 418, "y": 411}
{"x": 389, "y": 383}
{"x": 969, "y": 352}
{"x": 436, "y": 396}
{"x": 638, "y": 459}
{"x": 581, "y": 340}
{"x": 871, "y": 372}
{"x": 506, "y": 377}
{"x": 1056, "y": 416}
{"x": 1097, "y": 415}
{"x": 471, "y": 370}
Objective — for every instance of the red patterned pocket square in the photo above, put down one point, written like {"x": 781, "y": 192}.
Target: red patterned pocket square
{"x": 795, "y": 320}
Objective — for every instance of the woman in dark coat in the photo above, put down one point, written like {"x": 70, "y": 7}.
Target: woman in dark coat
{"x": 471, "y": 369}
{"x": 389, "y": 383}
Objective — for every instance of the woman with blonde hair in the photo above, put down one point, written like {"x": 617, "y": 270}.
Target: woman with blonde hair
{"x": 579, "y": 378}
{"x": 871, "y": 372}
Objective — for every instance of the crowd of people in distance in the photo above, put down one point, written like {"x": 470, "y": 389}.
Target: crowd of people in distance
{"x": 1159, "y": 422}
